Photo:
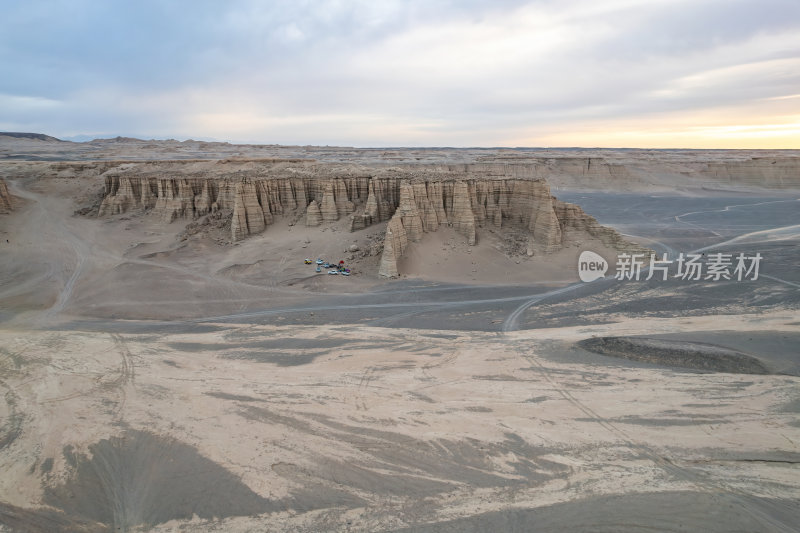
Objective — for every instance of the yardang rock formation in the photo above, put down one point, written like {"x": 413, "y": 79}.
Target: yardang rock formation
{"x": 413, "y": 199}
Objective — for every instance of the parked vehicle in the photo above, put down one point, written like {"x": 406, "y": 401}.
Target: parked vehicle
{"x": 319, "y": 269}
{"x": 333, "y": 271}
{"x": 320, "y": 261}
{"x": 346, "y": 273}
{"x": 307, "y": 261}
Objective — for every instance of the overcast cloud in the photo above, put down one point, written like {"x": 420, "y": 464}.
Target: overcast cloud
{"x": 705, "y": 73}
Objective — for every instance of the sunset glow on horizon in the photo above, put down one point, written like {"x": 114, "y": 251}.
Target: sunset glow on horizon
{"x": 626, "y": 73}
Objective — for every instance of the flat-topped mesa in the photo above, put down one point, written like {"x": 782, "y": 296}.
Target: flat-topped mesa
{"x": 254, "y": 199}
{"x": 414, "y": 199}
{"x": 6, "y": 200}
{"x": 769, "y": 172}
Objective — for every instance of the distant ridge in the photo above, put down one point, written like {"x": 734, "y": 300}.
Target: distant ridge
{"x": 37, "y": 136}
{"x": 119, "y": 139}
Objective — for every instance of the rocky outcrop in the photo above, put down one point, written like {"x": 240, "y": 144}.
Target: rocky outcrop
{"x": 341, "y": 197}
{"x": 768, "y": 172}
{"x": 124, "y": 197}
{"x": 248, "y": 216}
{"x": 461, "y": 215}
{"x": 203, "y": 202}
{"x": 414, "y": 200}
{"x": 427, "y": 208}
{"x": 6, "y": 200}
{"x": 395, "y": 243}
{"x": 408, "y": 213}
{"x": 330, "y": 212}
{"x": 546, "y": 229}
{"x": 313, "y": 214}
{"x": 466, "y": 205}
{"x": 382, "y": 197}
{"x": 544, "y": 225}
{"x": 175, "y": 199}
{"x": 572, "y": 217}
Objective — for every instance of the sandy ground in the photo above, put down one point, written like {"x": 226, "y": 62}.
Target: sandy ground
{"x": 333, "y": 427}
{"x": 157, "y": 384}
{"x": 445, "y": 256}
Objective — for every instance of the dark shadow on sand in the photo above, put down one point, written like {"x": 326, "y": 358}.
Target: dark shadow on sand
{"x": 144, "y": 479}
{"x": 629, "y": 513}
{"x": 674, "y": 353}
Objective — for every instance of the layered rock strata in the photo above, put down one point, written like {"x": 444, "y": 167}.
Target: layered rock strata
{"x": 255, "y": 201}
{"x": 313, "y": 214}
{"x": 772, "y": 172}
{"x": 414, "y": 201}
{"x": 468, "y": 205}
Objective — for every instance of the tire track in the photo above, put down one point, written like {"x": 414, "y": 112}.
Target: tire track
{"x": 511, "y": 322}
{"x": 12, "y": 428}
{"x": 663, "y": 462}
{"x": 127, "y": 372}
{"x": 125, "y": 377}
{"x": 363, "y": 384}
{"x": 44, "y": 220}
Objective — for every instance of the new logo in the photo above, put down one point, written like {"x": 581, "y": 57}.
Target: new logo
{"x": 591, "y": 266}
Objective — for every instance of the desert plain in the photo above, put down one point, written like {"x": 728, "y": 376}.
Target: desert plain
{"x": 168, "y": 362}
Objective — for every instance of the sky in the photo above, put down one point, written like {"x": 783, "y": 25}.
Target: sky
{"x": 542, "y": 73}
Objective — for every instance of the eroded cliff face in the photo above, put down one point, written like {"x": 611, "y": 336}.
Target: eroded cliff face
{"x": 254, "y": 198}
{"x": 414, "y": 201}
{"x": 768, "y": 172}
{"x": 467, "y": 205}
{"x": 6, "y": 200}
{"x": 641, "y": 170}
